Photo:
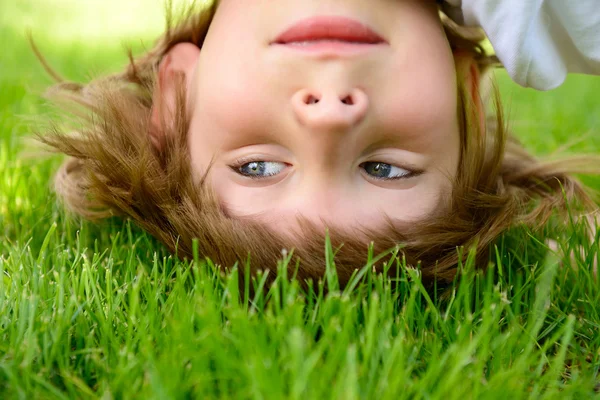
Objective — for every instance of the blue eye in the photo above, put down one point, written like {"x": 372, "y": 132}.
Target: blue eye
{"x": 260, "y": 169}
{"x": 383, "y": 171}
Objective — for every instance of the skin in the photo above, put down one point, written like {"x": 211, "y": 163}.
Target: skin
{"x": 389, "y": 112}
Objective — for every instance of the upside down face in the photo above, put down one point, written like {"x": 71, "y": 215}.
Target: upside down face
{"x": 343, "y": 112}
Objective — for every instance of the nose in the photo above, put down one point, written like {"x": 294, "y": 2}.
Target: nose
{"x": 330, "y": 110}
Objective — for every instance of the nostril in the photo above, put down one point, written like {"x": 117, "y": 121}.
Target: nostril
{"x": 348, "y": 100}
{"x": 310, "y": 99}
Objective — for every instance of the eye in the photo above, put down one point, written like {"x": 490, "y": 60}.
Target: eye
{"x": 260, "y": 169}
{"x": 387, "y": 172}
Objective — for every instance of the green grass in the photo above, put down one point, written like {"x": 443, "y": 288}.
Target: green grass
{"x": 103, "y": 311}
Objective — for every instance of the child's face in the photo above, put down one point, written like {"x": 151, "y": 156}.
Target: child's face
{"x": 381, "y": 140}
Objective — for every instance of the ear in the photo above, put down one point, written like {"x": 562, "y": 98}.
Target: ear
{"x": 180, "y": 61}
{"x": 469, "y": 73}
{"x": 467, "y": 69}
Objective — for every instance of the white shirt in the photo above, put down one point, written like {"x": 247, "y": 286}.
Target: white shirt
{"x": 538, "y": 41}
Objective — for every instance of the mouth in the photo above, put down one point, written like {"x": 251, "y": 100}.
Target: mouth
{"x": 329, "y": 33}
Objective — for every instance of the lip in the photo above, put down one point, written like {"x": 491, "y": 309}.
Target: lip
{"x": 329, "y": 33}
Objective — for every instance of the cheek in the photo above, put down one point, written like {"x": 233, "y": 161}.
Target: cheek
{"x": 423, "y": 99}
{"x": 228, "y": 107}
{"x": 226, "y": 114}
{"x": 230, "y": 84}
{"x": 424, "y": 111}
{"x": 419, "y": 93}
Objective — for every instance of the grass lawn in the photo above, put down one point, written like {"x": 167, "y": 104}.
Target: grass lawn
{"x": 103, "y": 311}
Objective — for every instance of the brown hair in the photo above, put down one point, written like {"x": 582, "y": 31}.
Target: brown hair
{"x": 114, "y": 169}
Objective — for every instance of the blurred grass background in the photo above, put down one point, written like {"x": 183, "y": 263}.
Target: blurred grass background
{"x": 81, "y": 40}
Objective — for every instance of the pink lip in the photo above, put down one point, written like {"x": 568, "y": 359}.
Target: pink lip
{"x": 329, "y": 31}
